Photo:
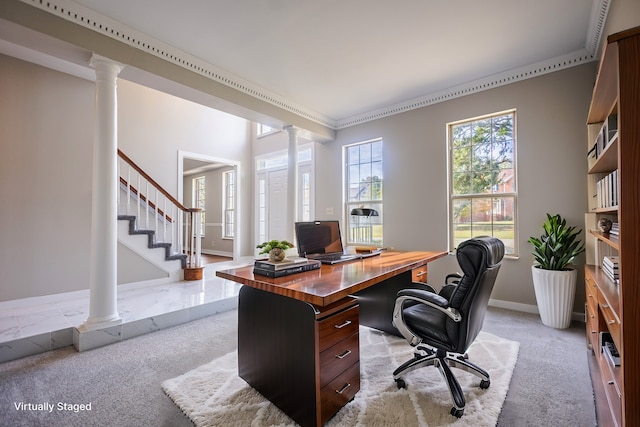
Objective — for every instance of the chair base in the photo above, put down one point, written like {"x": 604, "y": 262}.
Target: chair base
{"x": 427, "y": 356}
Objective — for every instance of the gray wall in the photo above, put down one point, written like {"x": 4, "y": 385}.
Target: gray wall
{"x": 46, "y": 123}
{"x": 551, "y": 166}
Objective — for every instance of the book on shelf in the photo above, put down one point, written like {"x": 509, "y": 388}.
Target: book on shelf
{"x": 611, "y": 267}
{"x": 615, "y": 229}
{"x": 279, "y": 265}
{"x": 607, "y": 190}
{"x": 309, "y": 265}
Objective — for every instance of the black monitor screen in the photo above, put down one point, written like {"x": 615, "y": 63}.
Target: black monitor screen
{"x": 318, "y": 237}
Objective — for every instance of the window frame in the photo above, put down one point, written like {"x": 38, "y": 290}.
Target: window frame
{"x": 228, "y": 198}
{"x": 264, "y": 130}
{"x": 511, "y": 249}
{"x": 353, "y": 222}
{"x": 199, "y": 202}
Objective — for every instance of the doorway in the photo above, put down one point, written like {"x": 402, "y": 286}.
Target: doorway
{"x": 211, "y": 176}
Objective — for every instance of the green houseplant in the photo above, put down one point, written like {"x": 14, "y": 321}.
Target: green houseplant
{"x": 275, "y": 248}
{"x": 558, "y": 247}
{"x": 554, "y": 278}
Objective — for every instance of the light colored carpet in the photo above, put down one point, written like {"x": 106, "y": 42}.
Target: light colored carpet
{"x": 214, "y": 395}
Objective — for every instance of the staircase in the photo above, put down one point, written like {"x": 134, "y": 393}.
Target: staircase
{"x": 145, "y": 209}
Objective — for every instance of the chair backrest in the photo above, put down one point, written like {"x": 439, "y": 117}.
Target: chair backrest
{"x": 479, "y": 259}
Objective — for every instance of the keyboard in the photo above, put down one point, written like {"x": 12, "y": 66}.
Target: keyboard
{"x": 333, "y": 258}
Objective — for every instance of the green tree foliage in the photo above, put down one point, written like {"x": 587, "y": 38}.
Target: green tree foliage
{"x": 482, "y": 153}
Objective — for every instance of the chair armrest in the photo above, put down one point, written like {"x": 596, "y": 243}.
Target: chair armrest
{"x": 455, "y": 276}
{"x": 424, "y": 297}
{"x": 426, "y": 286}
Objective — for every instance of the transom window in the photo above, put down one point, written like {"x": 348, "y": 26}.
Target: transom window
{"x": 263, "y": 130}
{"x": 363, "y": 184}
{"x": 482, "y": 179}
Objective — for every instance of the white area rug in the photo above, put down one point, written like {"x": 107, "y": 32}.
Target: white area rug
{"x": 214, "y": 395}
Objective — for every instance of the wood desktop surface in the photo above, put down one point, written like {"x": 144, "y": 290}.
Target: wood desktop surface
{"x": 332, "y": 283}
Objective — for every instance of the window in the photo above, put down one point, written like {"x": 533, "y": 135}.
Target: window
{"x": 363, "y": 184}
{"x": 264, "y": 130}
{"x": 199, "y": 199}
{"x": 482, "y": 179}
{"x": 229, "y": 203}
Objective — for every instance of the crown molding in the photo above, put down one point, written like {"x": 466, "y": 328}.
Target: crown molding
{"x": 94, "y": 21}
{"x": 99, "y": 23}
{"x": 475, "y": 86}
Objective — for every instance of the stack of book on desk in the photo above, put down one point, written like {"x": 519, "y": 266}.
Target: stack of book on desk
{"x": 610, "y": 267}
{"x": 286, "y": 267}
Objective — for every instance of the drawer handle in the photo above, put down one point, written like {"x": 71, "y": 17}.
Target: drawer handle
{"x": 611, "y": 322}
{"x": 610, "y": 383}
{"x": 605, "y": 305}
{"x": 343, "y": 355}
{"x": 593, "y": 332}
{"x": 346, "y": 323}
{"x": 342, "y": 390}
{"x": 421, "y": 273}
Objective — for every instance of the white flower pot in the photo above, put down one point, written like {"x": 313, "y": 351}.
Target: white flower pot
{"x": 555, "y": 293}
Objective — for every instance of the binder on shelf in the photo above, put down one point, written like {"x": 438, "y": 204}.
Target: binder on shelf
{"x": 296, "y": 268}
{"x": 609, "y": 349}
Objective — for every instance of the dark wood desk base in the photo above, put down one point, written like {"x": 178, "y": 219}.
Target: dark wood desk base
{"x": 306, "y": 359}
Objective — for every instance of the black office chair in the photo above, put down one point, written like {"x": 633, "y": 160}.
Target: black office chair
{"x": 443, "y": 325}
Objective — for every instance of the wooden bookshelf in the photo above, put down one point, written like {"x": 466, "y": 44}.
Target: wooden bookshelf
{"x": 611, "y": 307}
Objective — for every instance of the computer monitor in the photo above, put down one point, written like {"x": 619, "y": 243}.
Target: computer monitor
{"x": 318, "y": 237}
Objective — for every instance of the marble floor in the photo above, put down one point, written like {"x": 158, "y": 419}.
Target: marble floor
{"x": 34, "y": 325}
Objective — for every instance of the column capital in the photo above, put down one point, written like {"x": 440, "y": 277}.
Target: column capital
{"x": 101, "y": 63}
{"x": 292, "y": 130}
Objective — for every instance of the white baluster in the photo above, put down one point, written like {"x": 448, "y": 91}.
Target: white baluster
{"x": 164, "y": 222}
{"x": 129, "y": 190}
{"x": 156, "y": 215}
{"x": 146, "y": 210}
{"x": 138, "y": 219}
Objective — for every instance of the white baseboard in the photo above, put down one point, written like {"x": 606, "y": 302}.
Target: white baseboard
{"x": 218, "y": 253}
{"x": 526, "y": 308}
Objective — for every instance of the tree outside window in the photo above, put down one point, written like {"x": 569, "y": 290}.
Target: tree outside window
{"x": 482, "y": 183}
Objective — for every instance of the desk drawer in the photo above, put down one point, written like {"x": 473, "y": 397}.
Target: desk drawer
{"x": 419, "y": 274}
{"x": 338, "y": 392}
{"x": 334, "y": 329}
{"x": 338, "y": 358}
{"x": 592, "y": 329}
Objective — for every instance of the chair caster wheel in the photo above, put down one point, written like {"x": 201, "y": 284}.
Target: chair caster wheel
{"x": 457, "y": 412}
{"x": 400, "y": 383}
{"x": 485, "y": 384}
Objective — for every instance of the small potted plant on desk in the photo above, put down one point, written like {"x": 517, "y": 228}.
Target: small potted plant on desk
{"x": 276, "y": 249}
{"x": 554, "y": 279}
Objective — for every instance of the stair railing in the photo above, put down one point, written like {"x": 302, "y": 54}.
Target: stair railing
{"x": 155, "y": 209}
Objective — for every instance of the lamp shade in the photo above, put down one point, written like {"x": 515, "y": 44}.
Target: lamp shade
{"x": 364, "y": 212}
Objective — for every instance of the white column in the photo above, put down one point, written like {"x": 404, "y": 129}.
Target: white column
{"x": 103, "y": 310}
{"x": 292, "y": 181}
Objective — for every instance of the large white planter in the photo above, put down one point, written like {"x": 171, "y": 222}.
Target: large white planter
{"x": 555, "y": 293}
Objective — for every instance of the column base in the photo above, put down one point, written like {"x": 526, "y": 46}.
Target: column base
{"x": 93, "y": 324}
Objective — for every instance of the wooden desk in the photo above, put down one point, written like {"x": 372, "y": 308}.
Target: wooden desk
{"x": 298, "y": 336}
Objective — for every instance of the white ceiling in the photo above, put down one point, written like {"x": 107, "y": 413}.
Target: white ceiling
{"x": 349, "y": 60}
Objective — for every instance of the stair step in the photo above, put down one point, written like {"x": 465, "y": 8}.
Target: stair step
{"x": 152, "y": 244}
